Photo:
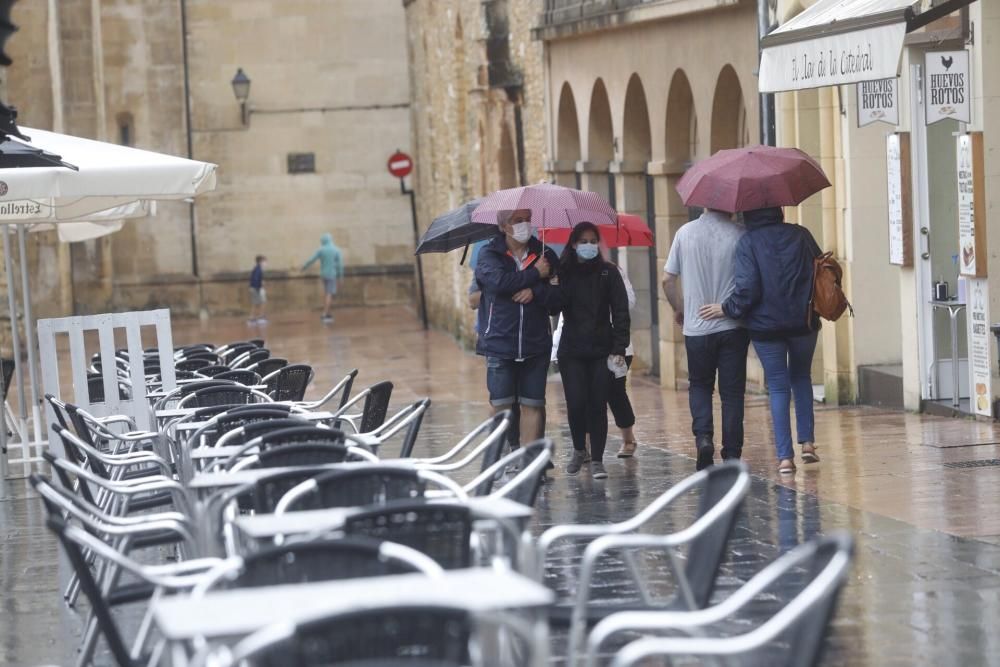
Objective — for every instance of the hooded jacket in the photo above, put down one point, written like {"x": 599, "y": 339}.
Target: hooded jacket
{"x": 595, "y": 310}
{"x": 774, "y": 277}
{"x": 509, "y": 330}
{"x": 331, "y": 263}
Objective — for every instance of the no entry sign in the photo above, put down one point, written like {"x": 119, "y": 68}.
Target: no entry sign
{"x": 400, "y": 164}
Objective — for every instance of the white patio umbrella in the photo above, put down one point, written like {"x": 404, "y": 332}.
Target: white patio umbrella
{"x": 109, "y": 183}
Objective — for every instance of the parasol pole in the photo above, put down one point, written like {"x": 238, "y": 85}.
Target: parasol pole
{"x": 29, "y": 334}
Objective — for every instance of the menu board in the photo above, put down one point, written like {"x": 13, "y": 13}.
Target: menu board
{"x": 897, "y": 150}
{"x": 971, "y": 210}
{"x": 980, "y": 368}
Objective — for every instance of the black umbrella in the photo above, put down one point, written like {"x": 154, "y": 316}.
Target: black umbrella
{"x": 455, "y": 230}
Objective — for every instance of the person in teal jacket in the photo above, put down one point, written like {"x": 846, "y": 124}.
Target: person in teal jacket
{"x": 331, "y": 269}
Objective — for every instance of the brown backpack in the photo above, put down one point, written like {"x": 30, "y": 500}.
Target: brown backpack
{"x": 828, "y": 299}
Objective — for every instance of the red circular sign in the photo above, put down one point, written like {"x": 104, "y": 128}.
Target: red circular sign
{"x": 400, "y": 164}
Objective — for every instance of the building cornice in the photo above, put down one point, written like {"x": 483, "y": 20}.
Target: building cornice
{"x": 563, "y": 28}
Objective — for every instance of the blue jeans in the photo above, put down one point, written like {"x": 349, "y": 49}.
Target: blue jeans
{"x": 787, "y": 366}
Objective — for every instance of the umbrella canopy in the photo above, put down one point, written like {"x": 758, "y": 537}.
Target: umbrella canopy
{"x": 454, "y": 230}
{"x": 631, "y": 231}
{"x": 550, "y": 206}
{"x": 743, "y": 179}
{"x": 110, "y": 183}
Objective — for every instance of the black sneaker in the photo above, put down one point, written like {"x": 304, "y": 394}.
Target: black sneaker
{"x": 706, "y": 453}
{"x": 575, "y": 463}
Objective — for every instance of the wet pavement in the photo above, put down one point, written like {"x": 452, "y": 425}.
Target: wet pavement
{"x": 924, "y": 588}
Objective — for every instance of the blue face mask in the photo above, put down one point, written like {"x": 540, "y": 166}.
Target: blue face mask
{"x": 587, "y": 251}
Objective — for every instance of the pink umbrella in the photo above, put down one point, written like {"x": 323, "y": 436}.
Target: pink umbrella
{"x": 742, "y": 179}
{"x": 550, "y": 206}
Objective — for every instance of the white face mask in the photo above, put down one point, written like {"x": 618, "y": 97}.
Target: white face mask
{"x": 521, "y": 232}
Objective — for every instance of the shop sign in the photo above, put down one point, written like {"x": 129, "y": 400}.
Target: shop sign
{"x": 980, "y": 368}
{"x": 971, "y": 205}
{"x": 24, "y": 209}
{"x": 897, "y": 148}
{"x": 947, "y": 88}
{"x": 851, "y": 57}
{"x": 878, "y": 102}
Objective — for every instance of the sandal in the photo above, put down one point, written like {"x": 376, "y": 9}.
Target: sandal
{"x": 809, "y": 453}
{"x": 786, "y": 467}
{"x": 627, "y": 450}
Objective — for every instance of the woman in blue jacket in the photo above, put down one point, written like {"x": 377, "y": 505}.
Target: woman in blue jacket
{"x": 772, "y": 295}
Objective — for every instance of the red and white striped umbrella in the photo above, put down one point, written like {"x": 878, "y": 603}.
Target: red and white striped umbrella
{"x": 550, "y": 206}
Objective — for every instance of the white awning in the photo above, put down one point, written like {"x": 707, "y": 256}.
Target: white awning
{"x": 835, "y": 42}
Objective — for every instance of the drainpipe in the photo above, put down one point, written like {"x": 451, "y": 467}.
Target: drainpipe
{"x": 767, "y": 125}
{"x": 192, "y": 219}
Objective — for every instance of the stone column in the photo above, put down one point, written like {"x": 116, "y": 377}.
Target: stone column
{"x": 670, "y": 215}
{"x": 562, "y": 172}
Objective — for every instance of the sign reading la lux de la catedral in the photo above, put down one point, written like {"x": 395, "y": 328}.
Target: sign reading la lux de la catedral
{"x": 878, "y": 102}
{"x": 947, "y": 88}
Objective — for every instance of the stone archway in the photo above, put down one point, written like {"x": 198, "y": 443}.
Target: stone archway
{"x": 638, "y": 263}
{"x": 729, "y": 113}
{"x": 507, "y": 160}
{"x": 681, "y": 123}
{"x": 600, "y": 142}
{"x": 567, "y": 138}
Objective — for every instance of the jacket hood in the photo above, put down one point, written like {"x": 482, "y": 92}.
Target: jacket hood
{"x": 326, "y": 239}
{"x": 760, "y": 217}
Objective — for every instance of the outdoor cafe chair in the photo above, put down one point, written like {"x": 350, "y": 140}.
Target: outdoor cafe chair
{"x": 213, "y": 370}
{"x": 441, "y": 531}
{"x": 181, "y": 391}
{"x": 342, "y": 389}
{"x": 193, "y": 363}
{"x": 802, "y": 619}
{"x": 267, "y": 366}
{"x": 367, "y": 485}
{"x": 289, "y": 383}
{"x": 95, "y": 389}
{"x": 224, "y": 425}
{"x": 312, "y": 560}
{"x": 382, "y": 636}
{"x": 373, "y": 411}
{"x": 408, "y": 421}
{"x": 174, "y": 577}
{"x": 249, "y": 358}
{"x": 239, "y": 428}
{"x": 722, "y": 491}
{"x": 305, "y": 454}
{"x": 230, "y": 394}
{"x": 529, "y": 461}
{"x": 241, "y": 376}
{"x": 112, "y": 466}
{"x": 280, "y": 439}
{"x": 490, "y": 436}
{"x": 233, "y": 351}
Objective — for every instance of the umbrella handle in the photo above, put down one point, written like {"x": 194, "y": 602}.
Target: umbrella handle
{"x": 464, "y": 255}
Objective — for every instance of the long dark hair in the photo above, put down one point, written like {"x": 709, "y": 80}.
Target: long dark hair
{"x": 569, "y": 261}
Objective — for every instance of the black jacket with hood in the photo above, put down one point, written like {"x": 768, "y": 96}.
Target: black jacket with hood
{"x": 595, "y": 313}
{"x": 773, "y": 282}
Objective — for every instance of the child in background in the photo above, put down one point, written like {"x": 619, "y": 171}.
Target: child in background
{"x": 258, "y": 297}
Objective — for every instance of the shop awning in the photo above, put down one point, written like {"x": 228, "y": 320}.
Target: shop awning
{"x": 842, "y": 41}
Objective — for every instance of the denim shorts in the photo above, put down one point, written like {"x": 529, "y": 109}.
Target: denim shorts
{"x": 521, "y": 381}
{"x": 330, "y": 286}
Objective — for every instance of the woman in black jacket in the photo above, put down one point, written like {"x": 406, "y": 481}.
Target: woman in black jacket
{"x": 595, "y": 329}
{"x": 772, "y": 294}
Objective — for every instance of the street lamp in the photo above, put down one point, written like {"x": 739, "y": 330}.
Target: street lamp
{"x": 241, "y": 88}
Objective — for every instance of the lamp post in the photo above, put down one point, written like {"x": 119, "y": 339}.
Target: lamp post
{"x": 241, "y": 89}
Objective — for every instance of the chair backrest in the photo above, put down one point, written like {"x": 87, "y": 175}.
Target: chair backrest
{"x": 59, "y": 410}
{"x": 413, "y": 430}
{"x": 807, "y": 639}
{"x": 246, "y": 417}
{"x": 441, "y": 531}
{"x": 193, "y": 364}
{"x": 308, "y": 454}
{"x": 264, "y": 495}
{"x": 192, "y": 387}
{"x": 99, "y": 605}
{"x": 317, "y": 560}
{"x": 259, "y": 342}
{"x": 213, "y": 370}
{"x": 370, "y": 485}
{"x": 425, "y": 636}
{"x": 95, "y": 389}
{"x": 269, "y": 365}
{"x": 7, "y": 372}
{"x": 248, "y": 359}
{"x": 232, "y": 394}
{"x": 707, "y": 551}
{"x": 241, "y": 376}
{"x": 234, "y": 350}
{"x": 376, "y": 407}
{"x": 290, "y": 382}
{"x": 495, "y": 450}
{"x": 525, "y": 485}
{"x": 300, "y": 434}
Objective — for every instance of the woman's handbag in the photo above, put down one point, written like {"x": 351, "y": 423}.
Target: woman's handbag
{"x": 828, "y": 298}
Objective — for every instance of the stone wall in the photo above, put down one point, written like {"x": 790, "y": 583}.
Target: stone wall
{"x": 465, "y": 130}
{"x": 328, "y": 77}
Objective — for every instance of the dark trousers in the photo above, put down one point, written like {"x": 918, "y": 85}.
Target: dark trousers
{"x": 585, "y": 382}
{"x": 725, "y": 354}
{"x": 621, "y": 406}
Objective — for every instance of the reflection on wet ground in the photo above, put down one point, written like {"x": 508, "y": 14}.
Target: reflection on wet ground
{"x": 924, "y": 589}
